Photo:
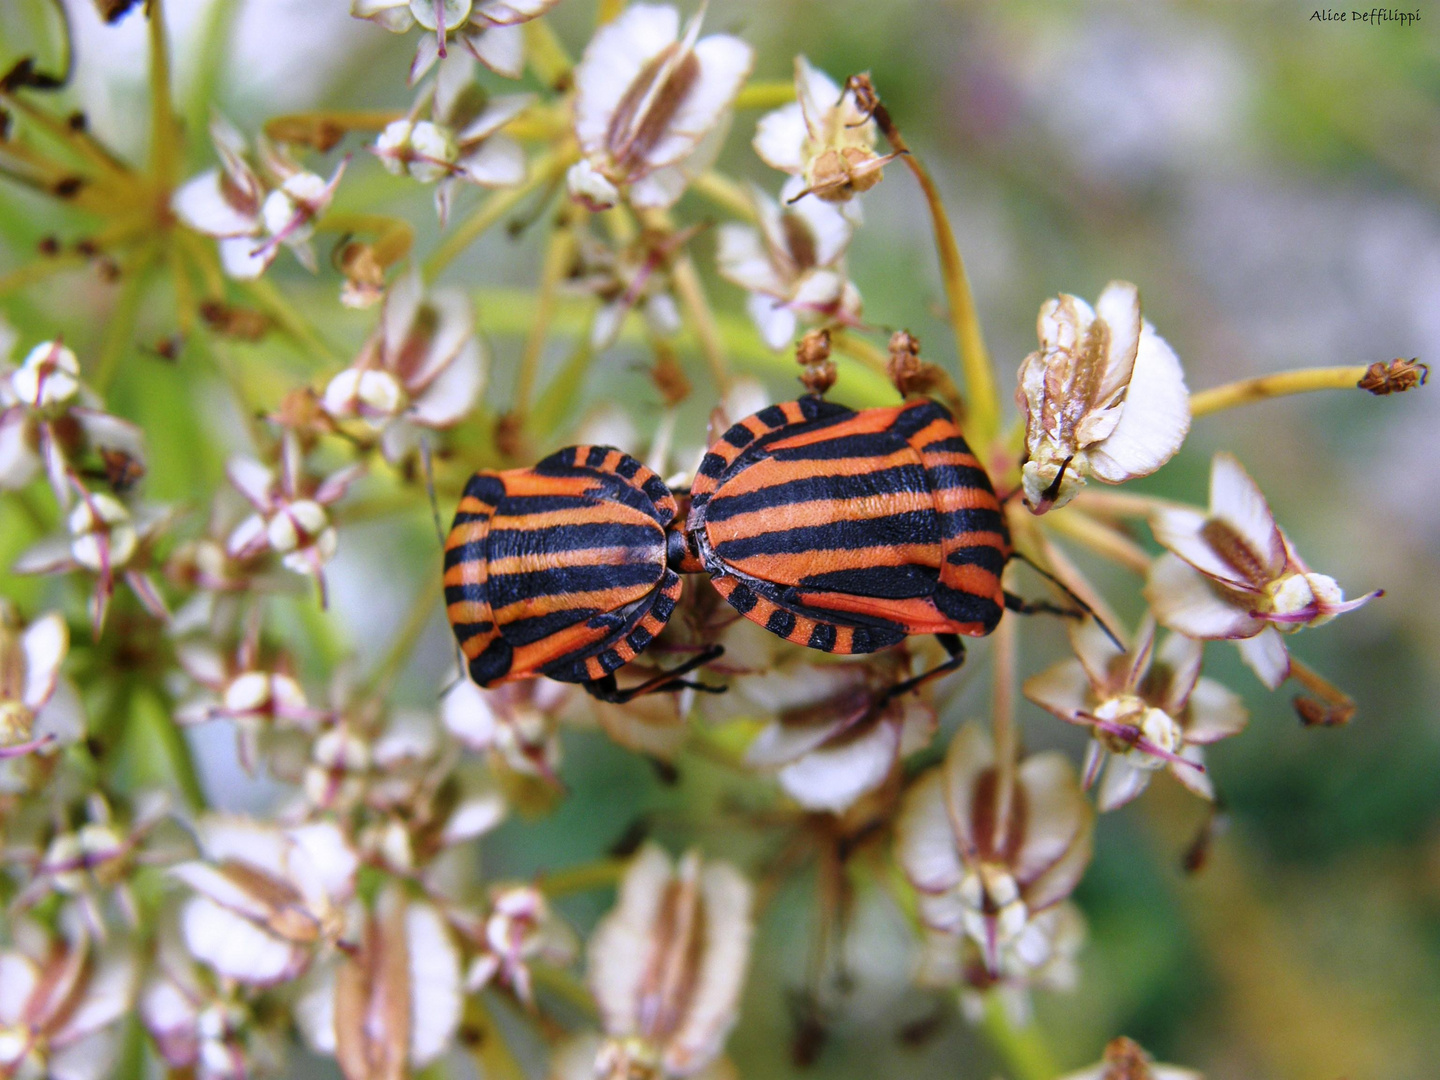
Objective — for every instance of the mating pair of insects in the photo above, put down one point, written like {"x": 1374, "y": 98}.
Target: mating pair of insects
{"x": 839, "y": 530}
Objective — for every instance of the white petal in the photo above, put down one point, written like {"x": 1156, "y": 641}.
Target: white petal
{"x": 402, "y": 305}
{"x": 780, "y": 744}
{"x": 779, "y": 137}
{"x": 63, "y": 717}
{"x": 1153, "y": 420}
{"x": 1237, "y": 499}
{"x": 773, "y": 319}
{"x": 833, "y": 777}
{"x": 44, "y": 557}
{"x": 435, "y": 985}
{"x": 427, "y": 51}
{"x": 18, "y": 461}
{"x": 507, "y": 12}
{"x": 234, "y": 946}
{"x": 254, "y": 843}
{"x": 971, "y": 753}
{"x": 497, "y": 113}
{"x": 466, "y": 714}
{"x": 816, "y": 94}
{"x": 1119, "y": 308}
{"x": 621, "y": 946}
{"x": 91, "y": 1058}
{"x": 1215, "y": 712}
{"x": 314, "y": 1010}
{"x": 1181, "y": 656}
{"x": 245, "y": 258}
{"x": 829, "y": 227}
{"x": 714, "y": 1002}
{"x": 724, "y": 61}
{"x": 1266, "y": 655}
{"x": 1063, "y": 689}
{"x": 612, "y": 60}
{"x": 452, "y": 395}
{"x": 1057, "y": 812}
{"x": 109, "y": 995}
{"x": 925, "y": 839}
{"x": 499, "y": 162}
{"x": 1121, "y": 783}
{"x": 741, "y": 258}
{"x": 499, "y": 48}
{"x": 661, "y": 189}
{"x": 221, "y": 889}
{"x": 202, "y": 205}
{"x": 322, "y": 864}
{"x": 474, "y": 817}
{"x": 455, "y": 75}
{"x": 1182, "y": 530}
{"x": 1194, "y": 778}
{"x": 1186, "y": 600}
{"x": 45, "y": 643}
{"x": 18, "y": 979}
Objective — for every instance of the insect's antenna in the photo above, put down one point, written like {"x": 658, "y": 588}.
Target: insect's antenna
{"x": 1069, "y": 592}
{"x": 427, "y": 467}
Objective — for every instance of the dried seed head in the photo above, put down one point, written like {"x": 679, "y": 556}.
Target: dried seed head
{"x": 813, "y": 348}
{"x": 1395, "y": 377}
{"x": 909, "y": 374}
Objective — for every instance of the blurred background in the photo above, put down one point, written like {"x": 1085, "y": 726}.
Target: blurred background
{"x": 1272, "y": 184}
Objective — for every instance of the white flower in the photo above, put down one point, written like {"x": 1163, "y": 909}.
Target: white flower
{"x": 267, "y": 898}
{"x": 833, "y": 739}
{"x": 489, "y": 30}
{"x": 251, "y": 216}
{"x": 1125, "y": 1060}
{"x": 36, "y": 707}
{"x": 1147, "y": 709}
{"x": 824, "y": 138}
{"x": 519, "y": 928}
{"x": 980, "y": 872}
{"x": 60, "y": 1001}
{"x": 47, "y": 417}
{"x": 423, "y": 368}
{"x": 668, "y": 963}
{"x": 629, "y": 277}
{"x": 1233, "y": 574}
{"x": 461, "y": 141}
{"x": 516, "y": 722}
{"x": 393, "y": 1004}
{"x": 792, "y": 265}
{"x": 646, "y": 99}
{"x": 290, "y": 516}
{"x": 1104, "y": 396}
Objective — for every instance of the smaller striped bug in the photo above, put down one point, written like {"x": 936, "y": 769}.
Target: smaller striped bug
{"x": 849, "y": 531}
{"x": 562, "y": 570}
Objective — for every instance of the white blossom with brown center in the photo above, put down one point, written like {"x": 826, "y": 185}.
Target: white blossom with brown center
{"x": 423, "y": 368}
{"x": 266, "y": 898}
{"x": 824, "y": 137}
{"x": 667, "y": 965}
{"x": 1125, "y": 1060}
{"x": 987, "y": 867}
{"x": 1232, "y": 573}
{"x": 461, "y": 142}
{"x": 651, "y": 104}
{"x": 254, "y": 212}
{"x": 61, "y": 1001}
{"x": 1103, "y": 397}
{"x": 392, "y": 1006}
{"x": 1146, "y": 708}
{"x": 489, "y": 30}
{"x": 792, "y": 264}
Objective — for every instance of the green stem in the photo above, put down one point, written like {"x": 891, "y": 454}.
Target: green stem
{"x": 121, "y": 326}
{"x": 1022, "y": 1049}
{"x": 602, "y": 874}
{"x": 164, "y": 134}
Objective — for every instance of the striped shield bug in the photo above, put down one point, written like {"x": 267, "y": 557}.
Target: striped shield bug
{"x": 562, "y": 570}
{"x": 848, "y": 531}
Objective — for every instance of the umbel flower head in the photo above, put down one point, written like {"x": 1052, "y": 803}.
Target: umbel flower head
{"x": 667, "y": 966}
{"x": 1232, "y": 573}
{"x": 423, "y": 368}
{"x": 461, "y": 142}
{"x": 1103, "y": 396}
{"x": 647, "y": 97}
{"x": 824, "y": 138}
{"x": 489, "y": 30}
{"x": 1146, "y": 709}
{"x": 987, "y": 867}
{"x": 791, "y": 264}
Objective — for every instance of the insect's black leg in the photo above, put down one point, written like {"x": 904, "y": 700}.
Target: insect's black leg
{"x": 953, "y": 646}
{"x": 1040, "y": 607}
{"x": 606, "y": 690}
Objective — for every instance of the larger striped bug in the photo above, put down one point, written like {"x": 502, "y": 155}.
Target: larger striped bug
{"x": 849, "y": 531}
{"x": 562, "y": 570}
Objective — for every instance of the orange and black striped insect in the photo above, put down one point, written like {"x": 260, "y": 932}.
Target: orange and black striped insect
{"x": 848, "y": 531}
{"x": 563, "y": 570}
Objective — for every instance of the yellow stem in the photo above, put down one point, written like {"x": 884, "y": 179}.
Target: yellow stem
{"x": 1022, "y": 1049}
{"x": 601, "y": 874}
{"x": 491, "y": 1049}
{"x": 495, "y": 208}
{"x": 559, "y": 255}
{"x": 1108, "y": 543}
{"x": 858, "y": 348}
{"x": 609, "y": 11}
{"x": 164, "y": 135}
{"x": 1060, "y": 565}
{"x": 765, "y": 94}
{"x": 1119, "y": 504}
{"x": 548, "y": 58}
{"x": 725, "y": 193}
{"x": 322, "y": 129}
{"x": 1002, "y": 724}
{"x": 185, "y": 306}
{"x": 1269, "y": 386}
{"x": 692, "y": 298}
